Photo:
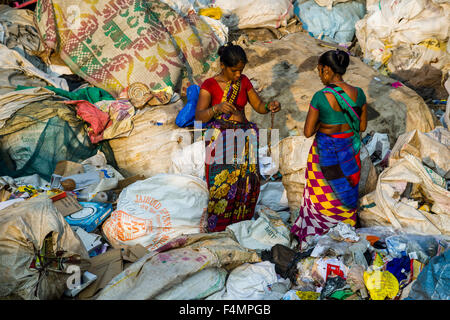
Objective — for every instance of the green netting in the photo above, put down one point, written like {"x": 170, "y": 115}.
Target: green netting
{"x": 58, "y": 141}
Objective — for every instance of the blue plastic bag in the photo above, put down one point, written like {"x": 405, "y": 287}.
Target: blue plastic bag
{"x": 400, "y": 268}
{"x": 186, "y": 116}
{"x": 336, "y": 25}
{"x": 433, "y": 282}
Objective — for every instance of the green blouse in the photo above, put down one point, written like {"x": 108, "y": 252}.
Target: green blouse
{"x": 326, "y": 113}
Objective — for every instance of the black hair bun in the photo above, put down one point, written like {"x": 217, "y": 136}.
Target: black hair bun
{"x": 230, "y": 54}
{"x": 342, "y": 58}
{"x": 221, "y": 50}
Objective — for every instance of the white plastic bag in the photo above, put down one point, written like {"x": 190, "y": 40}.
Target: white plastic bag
{"x": 405, "y": 34}
{"x": 257, "y": 13}
{"x": 250, "y": 282}
{"x": 262, "y": 233}
{"x": 383, "y": 206}
{"x": 190, "y": 160}
{"x": 267, "y": 166}
{"x": 155, "y": 137}
{"x": 273, "y": 195}
{"x": 151, "y": 212}
{"x": 379, "y": 142}
{"x": 294, "y": 152}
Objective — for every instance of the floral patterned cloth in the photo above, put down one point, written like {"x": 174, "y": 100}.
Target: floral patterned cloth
{"x": 233, "y": 188}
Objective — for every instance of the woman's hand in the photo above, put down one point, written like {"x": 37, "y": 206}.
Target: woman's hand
{"x": 274, "y": 106}
{"x": 225, "y": 107}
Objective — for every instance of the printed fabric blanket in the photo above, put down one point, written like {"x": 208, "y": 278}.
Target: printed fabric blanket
{"x": 115, "y": 43}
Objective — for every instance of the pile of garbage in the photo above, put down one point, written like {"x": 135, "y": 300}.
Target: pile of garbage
{"x": 102, "y": 176}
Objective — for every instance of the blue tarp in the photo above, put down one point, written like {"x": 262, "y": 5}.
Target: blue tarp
{"x": 433, "y": 282}
{"x": 336, "y": 25}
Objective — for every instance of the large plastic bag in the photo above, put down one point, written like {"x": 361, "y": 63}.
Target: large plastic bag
{"x": 336, "y": 24}
{"x": 251, "y": 282}
{"x": 256, "y": 13}
{"x": 433, "y": 282}
{"x": 151, "y": 212}
{"x": 384, "y": 206}
{"x": 156, "y": 273}
{"x": 294, "y": 152}
{"x": 155, "y": 137}
{"x": 178, "y": 260}
{"x": 198, "y": 286}
{"x": 174, "y": 51}
{"x": 421, "y": 145}
{"x": 24, "y": 227}
{"x": 405, "y": 34}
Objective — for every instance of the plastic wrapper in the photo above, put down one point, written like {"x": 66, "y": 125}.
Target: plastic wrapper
{"x": 327, "y": 246}
{"x": 381, "y": 232}
{"x": 419, "y": 247}
{"x": 306, "y": 276}
{"x": 381, "y": 284}
{"x": 355, "y": 278}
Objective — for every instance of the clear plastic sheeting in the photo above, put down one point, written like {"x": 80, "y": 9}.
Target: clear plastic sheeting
{"x": 418, "y": 247}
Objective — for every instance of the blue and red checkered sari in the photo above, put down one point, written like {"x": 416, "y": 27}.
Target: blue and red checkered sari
{"x": 332, "y": 178}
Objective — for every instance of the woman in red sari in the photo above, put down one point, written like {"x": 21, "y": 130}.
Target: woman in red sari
{"x": 232, "y": 171}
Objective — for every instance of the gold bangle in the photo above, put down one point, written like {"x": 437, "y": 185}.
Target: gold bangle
{"x": 214, "y": 112}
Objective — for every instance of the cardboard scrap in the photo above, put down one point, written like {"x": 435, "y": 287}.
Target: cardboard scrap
{"x": 108, "y": 265}
{"x": 67, "y": 168}
{"x": 66, "y": 204}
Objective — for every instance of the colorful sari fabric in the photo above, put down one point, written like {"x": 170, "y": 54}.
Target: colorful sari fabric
{"x": 232, "y": 171}
{"x": 331, "y": 192}
{"x": 352, "y": 113}
{"x": 332, "y": 176}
